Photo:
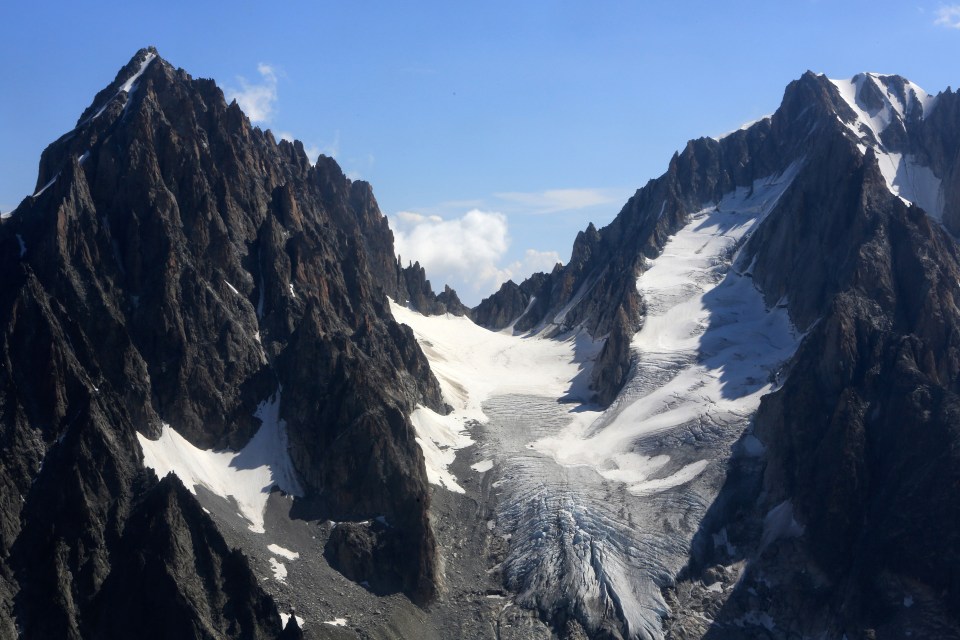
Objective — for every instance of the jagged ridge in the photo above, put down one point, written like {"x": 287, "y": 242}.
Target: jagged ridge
{"x": 177, "y": 265}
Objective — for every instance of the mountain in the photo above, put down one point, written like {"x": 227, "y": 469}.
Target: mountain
{"x": 180, "y": 273}
{"x": 229, "y": 411}
{"x": 832, "y": 516}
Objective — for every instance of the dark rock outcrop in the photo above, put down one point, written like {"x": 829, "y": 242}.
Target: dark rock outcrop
{"x": 173, "y": 576}
{"x": 597, "y": 289}
{"x": 178, "y": 265}
{"x": 510, "y": 304}
{"x": 415, "y": 290}
{"x": 846, "y": 519}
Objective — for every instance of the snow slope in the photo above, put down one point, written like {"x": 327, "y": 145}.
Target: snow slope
{"x": 903, "y": 173}
{"x": 708, "y": 348}
{"x": 247, "y": 476}
{"x": 600, "y": 507}
{"x": 474, "y": 364}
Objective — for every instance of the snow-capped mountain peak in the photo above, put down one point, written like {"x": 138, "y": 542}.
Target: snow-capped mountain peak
{"x": 883, "y": 112}
{"x": 877, "y": 101}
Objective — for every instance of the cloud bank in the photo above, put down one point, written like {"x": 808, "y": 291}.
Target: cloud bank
{"x": 257, "y": 99}
{"x": 466, "y": 252}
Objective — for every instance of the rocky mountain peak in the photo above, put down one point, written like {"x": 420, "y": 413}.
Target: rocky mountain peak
{"x": 123, "y": 85}
{"x": 179, "y": 266}
{"x": 179, "y": 270}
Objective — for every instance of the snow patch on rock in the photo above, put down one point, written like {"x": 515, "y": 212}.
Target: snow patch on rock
{"x": 280, "y": 551}
{"x": 279, "y": 571}
{"x": 903, "y": 173}
{"x": 483, "y": 466}
{"x": 247, "y": 476}
{"x": 285, "y": 618}
{"x": 779, "y": 523}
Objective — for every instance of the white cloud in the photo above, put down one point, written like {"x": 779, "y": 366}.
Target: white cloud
{"x": 533, "y": 261}
{"x": 948, "y": 16}
{"x": 467, "y": 248}
{"x": 554, "y": 200}
{"x": 465, "y": 252}
{"x": 257, "y": 99}
{"x": 417, "y": 218}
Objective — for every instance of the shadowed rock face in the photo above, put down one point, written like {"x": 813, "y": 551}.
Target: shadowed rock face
{"x": 180, "y": 267}
{"x": 597, "y": 288}
{"x": 863, "y": 436}
{"x": 415, "y": 290}
{"x": 861, "y": 439}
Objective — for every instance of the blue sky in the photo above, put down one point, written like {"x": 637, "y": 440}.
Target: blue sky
{"x": 491, "y": 132}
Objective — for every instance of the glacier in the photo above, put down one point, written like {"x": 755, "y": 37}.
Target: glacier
{"x": 600, "y": 506}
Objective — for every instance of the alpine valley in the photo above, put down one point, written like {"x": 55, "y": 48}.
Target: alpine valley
{"x": 228, "y": 410}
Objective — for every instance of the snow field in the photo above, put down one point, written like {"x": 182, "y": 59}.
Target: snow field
{"x": 904, "y": 175}
{"x": 247, "y": 476}
{"x": 472, "y": 365}
{"x": 708, "y": 342}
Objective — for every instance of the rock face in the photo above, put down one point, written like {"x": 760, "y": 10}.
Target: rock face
{"x": 844, "y": 519}
{"x": 177, "y": 265}
{"x": 414, "y": 289}
{"x": 509, "y": 304}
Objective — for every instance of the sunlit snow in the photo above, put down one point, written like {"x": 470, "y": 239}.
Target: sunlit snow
{"x": 46, "y": 186}
{"x": 708, "y": 346}
{"x": 743, "y": 127}
{"x": 285, "y": 617}
{"x": 127, "y": 87}
{"x": 483, "y": 466}
{"x": 904, "y": 175}
{"x": 280, "y": 551}
{"x": 247, "y": 476}
{"x": 474, "y": 364}
{"x": 601, "y": 507}
{"x": 279, "y": 571}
